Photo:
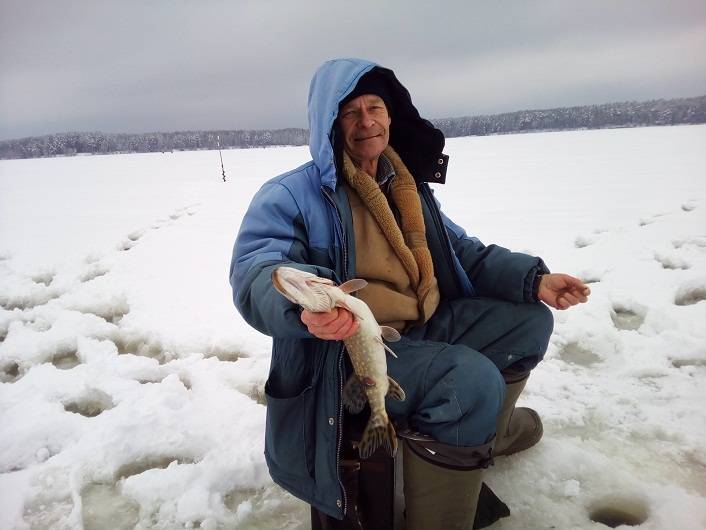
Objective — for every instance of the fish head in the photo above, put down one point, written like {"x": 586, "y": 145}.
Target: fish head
{"x": 303, "y": 288}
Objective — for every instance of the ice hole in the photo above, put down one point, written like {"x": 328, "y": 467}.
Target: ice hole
{"x": 575, "y": 354}
{"x": 90, "y": 405}
{"x": 627, "y": 319}
{"x": 66, "y": 360}
{"x": 691, "y": 296}
{"x": 147, "y": 463}
{"x": 615, "y": 511}
{"x": 103, "y": 506}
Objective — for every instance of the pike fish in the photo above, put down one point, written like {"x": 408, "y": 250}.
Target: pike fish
{"x": 365, "y": 347}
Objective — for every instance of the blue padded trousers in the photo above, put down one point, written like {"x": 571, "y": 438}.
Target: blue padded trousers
{"x": 451, "y": 367}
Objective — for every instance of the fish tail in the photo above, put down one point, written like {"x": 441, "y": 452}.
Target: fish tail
{"x": 379, "y": 432}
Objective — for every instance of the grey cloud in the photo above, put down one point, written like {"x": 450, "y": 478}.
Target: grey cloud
{"x": 179, "y": 64}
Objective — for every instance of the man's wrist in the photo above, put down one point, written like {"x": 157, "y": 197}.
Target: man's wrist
{"x": 535, "y": 285}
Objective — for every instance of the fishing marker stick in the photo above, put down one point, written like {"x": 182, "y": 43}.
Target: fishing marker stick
{"x": 218, "y": 143}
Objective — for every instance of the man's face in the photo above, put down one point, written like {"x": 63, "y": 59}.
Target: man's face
{"x": 365, "y": 124}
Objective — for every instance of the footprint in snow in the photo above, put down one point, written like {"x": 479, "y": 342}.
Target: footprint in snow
{"x": 644, "y": 221}
{"x": 691, "y": 292}
{"x": 105, "y": 506}
{"x": 573, "y": 353}
{"x": 126, "y": 245}
{"x": 141, "y": 346}
{"x": 584, "y": 241}
{"x": 689, "y": 362}
{"x": 66, "y": 360}
{"x": 90, "y": 404}
{"x": 626, "y": 318}
{"x": 671, "y": 261}
{"x": 96, "y": 270}
{"x": 9, "y": 371}
{"x": 698, "y": 242}
{"x": 44, "y": 278}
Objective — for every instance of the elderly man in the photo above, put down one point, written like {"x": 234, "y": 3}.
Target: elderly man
{"x": 471, "y": 316}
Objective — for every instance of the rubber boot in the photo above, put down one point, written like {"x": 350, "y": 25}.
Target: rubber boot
{"x": 518, "y": 428}
{"x": 440, "y": 495}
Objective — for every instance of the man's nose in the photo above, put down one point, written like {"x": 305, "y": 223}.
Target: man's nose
{"x": 366, "y": 119}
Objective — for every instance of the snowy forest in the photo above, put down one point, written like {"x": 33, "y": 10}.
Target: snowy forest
{"x": 610, "y": 115}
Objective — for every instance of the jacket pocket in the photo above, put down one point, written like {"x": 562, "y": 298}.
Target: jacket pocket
{"x": 289, "y": 442}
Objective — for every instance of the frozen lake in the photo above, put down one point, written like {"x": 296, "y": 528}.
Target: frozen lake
{"x": 131, "y": 390}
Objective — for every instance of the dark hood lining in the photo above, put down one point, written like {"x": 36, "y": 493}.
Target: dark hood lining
{"x": 416, "y": 140}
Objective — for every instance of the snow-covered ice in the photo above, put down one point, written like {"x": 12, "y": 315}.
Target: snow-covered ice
{"x": 131, "y": 392}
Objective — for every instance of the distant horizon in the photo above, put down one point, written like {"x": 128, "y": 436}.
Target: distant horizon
{"x": 176, "y": 131}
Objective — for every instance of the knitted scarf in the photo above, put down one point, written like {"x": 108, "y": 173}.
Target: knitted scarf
{"x": 408, "y": 240}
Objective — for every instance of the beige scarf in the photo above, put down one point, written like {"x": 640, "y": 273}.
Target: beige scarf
{"x": 408, "y": 241}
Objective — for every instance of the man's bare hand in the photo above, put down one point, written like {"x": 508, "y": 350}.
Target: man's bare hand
{"x": 562, "y": 291}
{"x": 337, "y": 324}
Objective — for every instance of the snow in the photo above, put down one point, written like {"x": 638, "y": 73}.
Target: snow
{"x": 131, "y": 390}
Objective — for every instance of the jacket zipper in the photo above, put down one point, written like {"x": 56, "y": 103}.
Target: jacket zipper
{"x": 441, "y": 229}
{"x": 339, "y": 424}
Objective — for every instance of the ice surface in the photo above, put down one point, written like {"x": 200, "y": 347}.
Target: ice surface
{"x": 131, "y": 391}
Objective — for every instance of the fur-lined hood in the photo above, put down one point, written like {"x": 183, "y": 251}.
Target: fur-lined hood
{"x": 415, "y": 139}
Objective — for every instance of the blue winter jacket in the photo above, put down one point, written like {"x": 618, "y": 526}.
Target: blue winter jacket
{"x": 302, "y": 219}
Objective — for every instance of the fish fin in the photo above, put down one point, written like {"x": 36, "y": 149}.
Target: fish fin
{"x": 381, "y": 343}
{"x": 395, "y": 390}
{"x": 392, "y": 437}
{"x": 390, "y": 334}
{"x": 379, "y": 432}
{"x": 354, "y": 397}
{"x": 352, "y": 285}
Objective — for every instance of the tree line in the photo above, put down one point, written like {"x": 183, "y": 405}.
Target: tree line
{"x": 609, "y": 115}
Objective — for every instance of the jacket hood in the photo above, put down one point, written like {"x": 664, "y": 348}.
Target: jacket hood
{"x": 415, "y": 139}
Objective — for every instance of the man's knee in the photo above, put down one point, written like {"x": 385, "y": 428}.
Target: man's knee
{"x": 541, "y": 320}
{"x": 540, "y": 326}
{"x": 467, "y": 395}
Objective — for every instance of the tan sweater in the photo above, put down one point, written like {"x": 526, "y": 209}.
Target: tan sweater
{"x": 394, "y": 259}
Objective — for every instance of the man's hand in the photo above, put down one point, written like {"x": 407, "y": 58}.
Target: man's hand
{"x": 561, "y": 291}
{"x": 337, "y": 324}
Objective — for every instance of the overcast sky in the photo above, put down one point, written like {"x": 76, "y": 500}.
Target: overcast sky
{"x": 164, "y": 65}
